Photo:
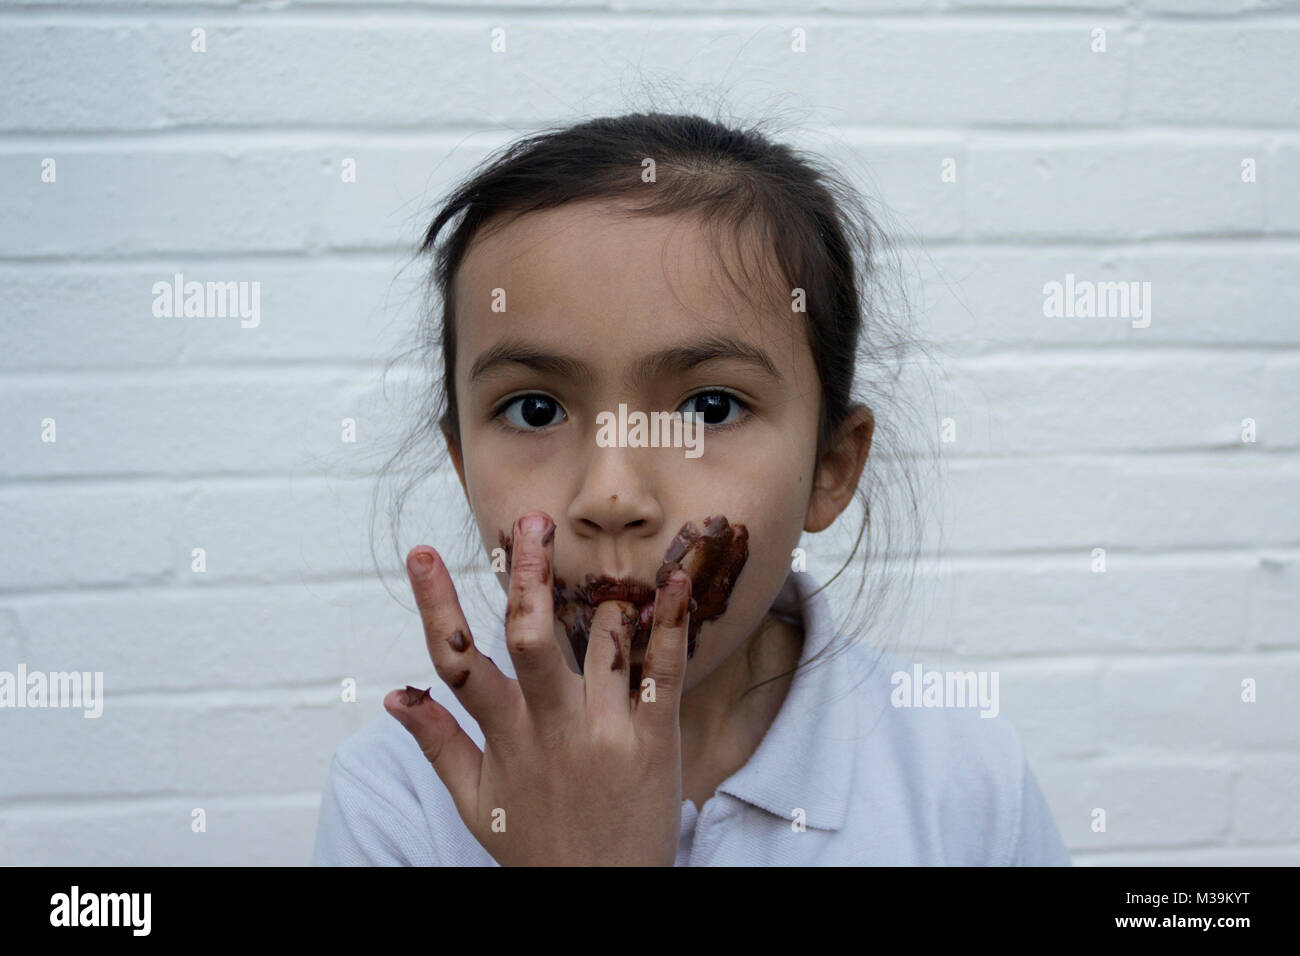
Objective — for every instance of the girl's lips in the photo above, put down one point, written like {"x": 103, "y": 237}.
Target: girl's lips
{"x": 712, "y": 557}
{"x": 605, "y": 588}
{"x": 642, "y": 623}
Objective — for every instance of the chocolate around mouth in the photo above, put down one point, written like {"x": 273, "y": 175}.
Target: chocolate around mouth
{"x": 712, "y": 557}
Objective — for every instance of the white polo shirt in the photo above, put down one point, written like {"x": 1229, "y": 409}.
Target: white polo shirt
{"x": 842, "y": 777}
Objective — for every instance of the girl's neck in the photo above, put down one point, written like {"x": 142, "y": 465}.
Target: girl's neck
{"x": 721, "y": 725}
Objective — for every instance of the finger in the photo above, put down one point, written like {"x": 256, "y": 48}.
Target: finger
{"x": 488, "y": 695}
{"x": 455, "y": 757}
{"x": 605, "y": 670}
{"x": 665, "y": 658}
{"x": 551, "y": 691}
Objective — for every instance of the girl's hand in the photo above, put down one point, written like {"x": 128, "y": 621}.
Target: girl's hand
{"x": 575, "y": 770}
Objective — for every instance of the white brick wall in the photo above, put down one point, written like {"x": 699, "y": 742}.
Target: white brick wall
{"x": 1073, "y": 434}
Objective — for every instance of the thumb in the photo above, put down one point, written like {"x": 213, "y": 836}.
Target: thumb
{"x": 455, "y": 757}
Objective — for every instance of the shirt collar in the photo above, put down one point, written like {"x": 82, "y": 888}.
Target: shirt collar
{"x": 805, "y": 760}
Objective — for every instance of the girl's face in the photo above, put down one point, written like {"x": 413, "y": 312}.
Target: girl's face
{"x": 565, "y": 314}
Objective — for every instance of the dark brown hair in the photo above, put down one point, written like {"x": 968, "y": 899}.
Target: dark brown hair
{"x": 741, "y": 184}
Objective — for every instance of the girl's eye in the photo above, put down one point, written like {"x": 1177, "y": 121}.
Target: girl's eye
{"x": 536, "y": 411}
{"x": 531, "y": 412}
{"x": 715, "y": 406}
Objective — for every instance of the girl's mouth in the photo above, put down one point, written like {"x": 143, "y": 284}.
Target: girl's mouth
{"x": 641, "y": 620}
{"x": 605, "y": 588}
{"x": 712, "y": 557}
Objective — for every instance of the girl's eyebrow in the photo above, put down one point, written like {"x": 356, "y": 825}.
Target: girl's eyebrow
{"x": 674, "y": 360}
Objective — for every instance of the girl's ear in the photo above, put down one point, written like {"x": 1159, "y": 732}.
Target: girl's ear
{"x": 453, "y": 448}
{"x": 840, "y": 468}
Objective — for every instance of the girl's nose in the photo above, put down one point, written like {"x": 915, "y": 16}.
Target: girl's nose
{"x": 616, "y": 494}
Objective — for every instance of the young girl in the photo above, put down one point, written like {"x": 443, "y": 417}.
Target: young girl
{"x": 674, "y": 689}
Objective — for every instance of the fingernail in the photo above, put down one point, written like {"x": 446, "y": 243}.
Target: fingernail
{"x": 398, "y": 713}
{"x": 421, "y": 562}
{"x": 534, "y": 524}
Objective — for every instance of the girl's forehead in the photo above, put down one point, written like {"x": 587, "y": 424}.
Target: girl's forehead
{"x": 585, "y": 275}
